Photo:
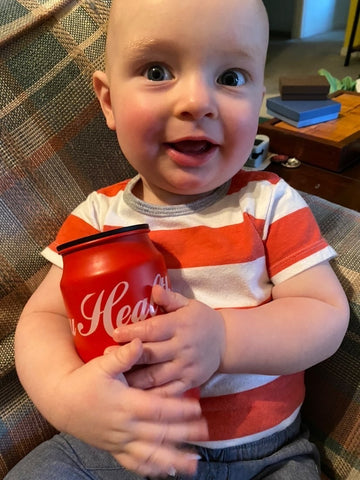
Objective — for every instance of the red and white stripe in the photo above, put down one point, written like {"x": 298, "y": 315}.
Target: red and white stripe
{"x": 227, "y": 255}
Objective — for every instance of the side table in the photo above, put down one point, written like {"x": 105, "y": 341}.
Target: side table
{"x": 342, "y": 188}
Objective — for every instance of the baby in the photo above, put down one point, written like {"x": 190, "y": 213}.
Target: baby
{"x": 253, "y": 303}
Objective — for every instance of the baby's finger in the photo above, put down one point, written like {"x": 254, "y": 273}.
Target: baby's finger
{"x": 157, "y": 352}
{"x": 169, "y": 300}
{"x": 156, "y": 329}
{"x": 155, "y": 375}
{"x": 176, "y": 388}
{"x": 157, "y": 460}
{"x": 157, "y": 434}
{"x": 177, "y": 432}
{"x": 120, "y": 359}
{"x": 158, "y": 409}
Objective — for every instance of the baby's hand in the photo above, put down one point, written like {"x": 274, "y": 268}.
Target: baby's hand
{"x": 140, "y": 429}
{"x": 182, "y": 348}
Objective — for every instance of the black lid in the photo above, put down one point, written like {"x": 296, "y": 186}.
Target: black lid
{"x": 97, "y": 236}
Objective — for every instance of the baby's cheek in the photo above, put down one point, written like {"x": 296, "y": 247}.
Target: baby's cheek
{"x": 139, "y": 122}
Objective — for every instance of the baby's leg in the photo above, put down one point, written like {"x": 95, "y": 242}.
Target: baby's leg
{"x": 65, "y": 457}
{"x": 285, "y": 455}
{"x": 296, "y": 461}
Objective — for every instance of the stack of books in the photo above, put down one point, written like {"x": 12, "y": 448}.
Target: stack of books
{"x": 303, "y": 101}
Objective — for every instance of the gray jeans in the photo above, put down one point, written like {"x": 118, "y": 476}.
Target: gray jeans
{"x": 287, "y": 455}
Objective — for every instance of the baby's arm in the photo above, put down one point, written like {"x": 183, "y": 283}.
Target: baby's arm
{"x": 93, "y": 401}
{"x": 303, "y": 325}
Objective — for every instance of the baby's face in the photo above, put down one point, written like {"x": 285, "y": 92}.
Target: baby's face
{"x": 186, "y": 86}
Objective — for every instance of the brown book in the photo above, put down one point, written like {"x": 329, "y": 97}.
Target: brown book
{"x": 310, "y": 87}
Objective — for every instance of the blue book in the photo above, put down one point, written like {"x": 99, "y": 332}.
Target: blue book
{"x": 306, "y": 122}
{"x": 299, "y": 110}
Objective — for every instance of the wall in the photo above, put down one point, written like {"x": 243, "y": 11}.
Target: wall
{"x": 281, "y": 15}
{"x": 322, "y": 16}
{"x": 303, "y": 18}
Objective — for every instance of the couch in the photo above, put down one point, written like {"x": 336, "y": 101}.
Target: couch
{"x": 54, "y": 149}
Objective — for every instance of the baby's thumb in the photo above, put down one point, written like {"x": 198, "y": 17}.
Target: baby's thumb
{"x": 120, "y": 359}
{"x": 167, "y": 299}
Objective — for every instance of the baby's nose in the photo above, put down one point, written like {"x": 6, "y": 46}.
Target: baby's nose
{"x": 196, "y": 99}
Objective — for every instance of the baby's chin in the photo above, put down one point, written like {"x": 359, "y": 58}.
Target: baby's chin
{"x": 173, "y": 196}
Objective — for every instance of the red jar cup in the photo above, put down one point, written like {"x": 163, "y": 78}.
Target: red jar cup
{"x": 107, "y": 281}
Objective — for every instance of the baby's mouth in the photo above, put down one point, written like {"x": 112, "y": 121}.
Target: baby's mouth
{"x": 192, "y": 147}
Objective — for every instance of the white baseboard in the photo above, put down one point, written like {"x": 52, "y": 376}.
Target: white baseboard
{"x": 344, "y": 50}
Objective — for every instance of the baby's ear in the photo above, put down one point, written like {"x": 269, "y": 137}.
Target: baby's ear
{"x": 102, "y": 91}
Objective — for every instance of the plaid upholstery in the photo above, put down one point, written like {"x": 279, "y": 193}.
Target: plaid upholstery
{"x": 332, "y": 407}
{"x": 17, "y": 16}
{"x": 54, "y": 149}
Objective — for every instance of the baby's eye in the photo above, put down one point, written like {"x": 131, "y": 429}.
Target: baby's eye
{"x": 232, "y": 78}
{"x": 157, "y": 73}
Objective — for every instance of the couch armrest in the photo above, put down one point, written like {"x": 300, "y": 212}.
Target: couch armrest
{"x": 55, "y": 148}
{"x": 332, "y": 405}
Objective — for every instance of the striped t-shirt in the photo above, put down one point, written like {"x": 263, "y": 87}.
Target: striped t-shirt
{"x": 227, "y": 250}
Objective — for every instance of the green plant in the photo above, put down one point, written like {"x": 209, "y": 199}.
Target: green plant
{"x": 347, "y": 83}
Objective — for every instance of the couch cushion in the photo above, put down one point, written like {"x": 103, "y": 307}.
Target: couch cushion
{"x": 18, "y": 16}
{"x": 55, "y": 147}
{"x": 21, "y": 425}
{"x": 332, "y": 406}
